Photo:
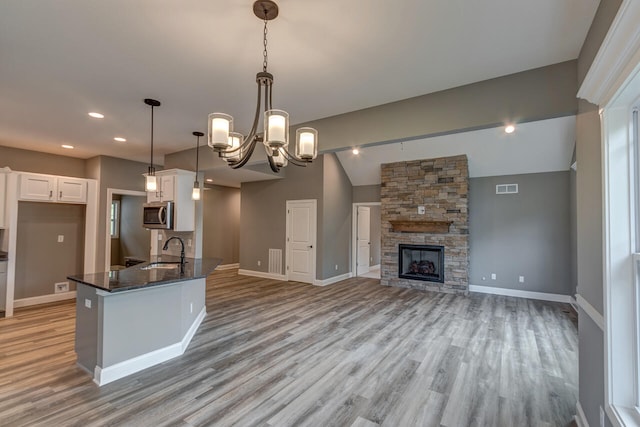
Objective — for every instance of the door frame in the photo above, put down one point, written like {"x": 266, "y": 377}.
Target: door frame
{"x": 314, "y": 237}
{"x": 107, "y": 229}
{"x": 354, "y": 234}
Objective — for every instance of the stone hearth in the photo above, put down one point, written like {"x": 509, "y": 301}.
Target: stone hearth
{"x": 441, "y": 186}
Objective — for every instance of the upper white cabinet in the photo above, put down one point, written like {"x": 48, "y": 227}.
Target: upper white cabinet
{"x": 176, "y": 185}
{"x": 166, "y": 188}
{"x": 49, "y": 188}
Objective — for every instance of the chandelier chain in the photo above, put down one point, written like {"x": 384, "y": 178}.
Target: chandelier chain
{"x": 264, "y": 53}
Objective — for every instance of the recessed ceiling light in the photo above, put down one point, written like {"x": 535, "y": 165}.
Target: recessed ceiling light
{"x": 509, "y": 128}
{"x": 209, "y": 180}
{"x": 356, "y": 151}
{"x": 119, "y": 139}
{"x": 67, "y": 146}
{"x": 96, "y": 115}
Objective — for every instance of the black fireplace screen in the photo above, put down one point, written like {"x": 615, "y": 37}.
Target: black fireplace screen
{"x": 421, "y": 262}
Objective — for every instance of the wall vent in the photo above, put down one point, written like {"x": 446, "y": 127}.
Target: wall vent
{"x": 507, "y": 189}
{"x": 275, "y": 261}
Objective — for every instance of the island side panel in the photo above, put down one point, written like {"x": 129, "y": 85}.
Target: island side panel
{"x": 87, "y": 326}
{"x": 193, "y": 299}
{"x": 139, "y": 322}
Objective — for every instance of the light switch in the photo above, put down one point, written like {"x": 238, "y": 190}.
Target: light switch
{"x": 60, "y": 238}
{"x": 421, "y": 210}
{"x": 87, "y": 302}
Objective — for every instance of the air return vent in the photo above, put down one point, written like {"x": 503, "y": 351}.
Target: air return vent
{"x": 275, "y": 261}
{"x": 507, "y": 189}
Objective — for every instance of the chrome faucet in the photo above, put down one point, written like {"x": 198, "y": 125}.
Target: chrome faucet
{"x": 166, "y": 246}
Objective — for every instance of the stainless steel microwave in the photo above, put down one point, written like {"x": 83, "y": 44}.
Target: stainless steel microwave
{"x": 158, "y": 215}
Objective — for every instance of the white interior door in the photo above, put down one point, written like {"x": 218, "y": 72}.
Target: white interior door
{"x": 301, "y": 240}
{"x": 364, "y": 239}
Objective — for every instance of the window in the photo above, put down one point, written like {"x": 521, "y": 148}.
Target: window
{"x": 115, "y": 219}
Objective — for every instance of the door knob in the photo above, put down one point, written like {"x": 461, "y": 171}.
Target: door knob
{"x": 310, "y": 246}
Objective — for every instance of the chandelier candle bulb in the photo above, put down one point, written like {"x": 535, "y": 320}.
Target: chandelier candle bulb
{"x": 219, "y": 127}
{"x": 276, "y": 132}
{"x": 306, "y": 143}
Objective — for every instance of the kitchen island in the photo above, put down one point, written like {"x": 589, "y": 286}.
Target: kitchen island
{"x": 129, "y": 320}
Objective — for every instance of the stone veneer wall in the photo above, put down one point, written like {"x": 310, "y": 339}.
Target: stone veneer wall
{"x": 441, "y": 185}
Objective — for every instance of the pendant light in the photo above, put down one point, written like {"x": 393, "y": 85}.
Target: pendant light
{"x": 150, "y": 179}
{"x": 195, "y": 194}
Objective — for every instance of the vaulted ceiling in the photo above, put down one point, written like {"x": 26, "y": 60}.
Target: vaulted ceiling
{"x": 61, "y": 59}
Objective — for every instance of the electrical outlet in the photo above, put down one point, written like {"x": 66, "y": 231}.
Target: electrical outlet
{"x": 189, "y": 242}
{"x": 191, "y": 308}
{"x": 60, "y": 238}
{"x": 370, "y": 259}
{"x": 87, "y": 302}
{"x": 259, "y": 262}
{"x": 493, "y": 276}
{"x": 336, "y": 267}
{"x": 421, "y": 210}
{"x": 61, "y": 287}
{"x": 484, "y": 278}
{"x": 159, "y": 237}
{"x": 521, "y": 279}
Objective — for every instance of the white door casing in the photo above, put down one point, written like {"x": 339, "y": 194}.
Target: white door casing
{"x": 364, "y": 239}
{"x": 301, "y": 240}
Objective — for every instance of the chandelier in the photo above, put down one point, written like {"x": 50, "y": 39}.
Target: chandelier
{"x": 235, "y": 148}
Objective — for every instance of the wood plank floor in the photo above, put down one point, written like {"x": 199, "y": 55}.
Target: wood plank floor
{"x": 275, "y": 353}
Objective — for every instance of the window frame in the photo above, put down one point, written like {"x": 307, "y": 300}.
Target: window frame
{"x": 114, "y": 223}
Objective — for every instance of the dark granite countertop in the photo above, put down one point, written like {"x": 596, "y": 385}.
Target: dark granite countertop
{"x": 3, "y": 256}
{"x": 136, "y": 277}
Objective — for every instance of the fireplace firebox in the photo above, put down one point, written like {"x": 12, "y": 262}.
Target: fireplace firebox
{"x": 421, "y": 262}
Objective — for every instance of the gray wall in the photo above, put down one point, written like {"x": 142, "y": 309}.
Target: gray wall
{"x": 34, "y": 161}
{"x": 263, "y": 215}
{"x": 134, "y": 238}
{"x": 526, "y": 234}
{"x": 221, "y": 223}
{"x": 530, "y": 95}
{"x": 589, "y": 223}
{"x": 335, "y": 224}
{"x": 366, "y": 193}
{"x": 40, "y": 260}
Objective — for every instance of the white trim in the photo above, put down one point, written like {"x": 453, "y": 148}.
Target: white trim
{"x": 186, "y": 340}
{"x": 43, "y": 299}
{"x": 262, "y": 274}
{"x": 332, "y": 280}
{"x": 354, "y": 234}
{"x": 580, "y": 417}
{"x": 228, "y": 266}
{"x": 102, "y": 376}
{"x": 373, "y": 267}
{"x": 617, "y": 57}
{"x": 520, "y": 294}
{"x": 590, "y": 311}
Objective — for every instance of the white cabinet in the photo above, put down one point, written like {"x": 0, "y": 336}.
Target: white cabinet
{"x": 176, "y": 185}
{"x": 49, "y": 188}
{"x": 166, "y": 189}
{"x": 3, "y": 199}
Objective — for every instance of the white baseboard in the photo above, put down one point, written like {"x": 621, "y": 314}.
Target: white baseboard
{"x": 521, "y": 294}
{"x": 44, "y": 299}
{"x": 228, "y": 266}
{"x": 263, "y": 275}
{"x": 591, "y": 311}
{"x": 580, "y": 418}
{"x": 332, "y": 280}
{"x": 102, "y": 376}
{"x": 373, "y": 267}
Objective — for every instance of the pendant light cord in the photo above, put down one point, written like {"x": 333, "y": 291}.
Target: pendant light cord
{"x": 197, "y": 154}
{"x": 151, "y": 160}
{"x": 264, "y": 52}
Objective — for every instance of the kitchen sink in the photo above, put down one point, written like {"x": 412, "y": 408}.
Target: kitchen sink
{"x": 164, "y": 265}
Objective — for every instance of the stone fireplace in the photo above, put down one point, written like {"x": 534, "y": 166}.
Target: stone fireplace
{"x": 425, "y": 224}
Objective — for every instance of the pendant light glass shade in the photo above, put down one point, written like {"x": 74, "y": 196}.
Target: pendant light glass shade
{"x": 220, "y": 125}
{"x": 235, "y": 141}
{"x": 151, "y": 183}
{"x": 276, "y": 128}
{"x": 195, "y": 194}
{"x": 306, "y": 143}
